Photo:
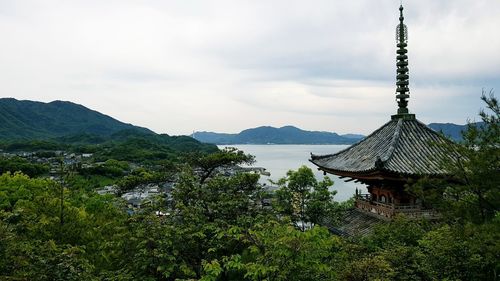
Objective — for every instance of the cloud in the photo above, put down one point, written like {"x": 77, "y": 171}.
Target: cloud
{"x": 178, "y": 66}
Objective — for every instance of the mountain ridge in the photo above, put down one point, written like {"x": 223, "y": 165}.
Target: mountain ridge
{"x": 26, "y": 119}
{"x": 292, "y": 135}
{"x": 71, "y": 122}
{"x": 272, "y": 135}
{"x": 451, "y": 130}
{"x": 61, "y": 125}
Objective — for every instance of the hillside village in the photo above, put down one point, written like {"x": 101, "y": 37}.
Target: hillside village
{"x": 61, "y": 164}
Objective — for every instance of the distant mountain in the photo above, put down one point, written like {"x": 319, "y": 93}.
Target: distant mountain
{"x": 293, "y": 135}
{"x": 272, "y": 135}
{"x": 353, "y": 136}
{"x": 36, "y": 120}
{"x": 451, "y": 130}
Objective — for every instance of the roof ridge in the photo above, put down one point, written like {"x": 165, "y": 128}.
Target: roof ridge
{"x": 394, "y": 142}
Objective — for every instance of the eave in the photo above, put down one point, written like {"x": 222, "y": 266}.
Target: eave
{"x": 366, "y": 176}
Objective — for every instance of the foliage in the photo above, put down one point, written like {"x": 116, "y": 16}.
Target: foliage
{"x": 128, "y": 145}
{"x": 474, "y": 191}
{"x": 37, "y": 120}
{"x": 277, "y": 251}
{"x": 418, "y": 250}
{"x": 200, "y": 224}
{"x": 227, "y": 158}
{"x": 18, "y": 164}
{"x": 39, "y": 246}
{"x": 206, "y": 212}
{"x": 139, "y": 177}
{"x": 303, "y": 198}
{"x": 471, "y": 254}
{"x": 32, "y": 145}
{"x": 111, "y": 168}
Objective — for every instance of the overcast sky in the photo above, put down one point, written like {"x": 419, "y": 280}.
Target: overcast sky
{"x": 183, "y": 66}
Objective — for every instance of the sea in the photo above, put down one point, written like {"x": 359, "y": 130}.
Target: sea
{"x": 278, "y": 159}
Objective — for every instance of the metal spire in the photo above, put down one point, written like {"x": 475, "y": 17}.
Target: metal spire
{"x": 402, "y": 90}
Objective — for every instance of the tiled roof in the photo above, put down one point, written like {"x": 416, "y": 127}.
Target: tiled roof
{"x": 402, "y": 146}
{"x": 355, "y": 223}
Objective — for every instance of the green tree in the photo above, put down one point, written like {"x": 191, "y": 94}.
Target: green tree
{"x": 473, "y": 191}
{"x": 18, "y": 164}
{"x": 225, "y": 158}
{"x": 141, "y": 176}
{"x": 205, "y": 212}
{"x": 303, "y": 198}
{"x": 467, "y": 252}
{"x": 392, "y": 250}
{"x": 369, "y": 267}
{"x": 278, "y": 251}
{"x": 36, "y": 246}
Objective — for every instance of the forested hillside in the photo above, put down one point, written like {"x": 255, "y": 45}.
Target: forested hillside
{"x": 451, "y": 130}
{"x": 58, "y": 125}
{"x": 35, "y": 120}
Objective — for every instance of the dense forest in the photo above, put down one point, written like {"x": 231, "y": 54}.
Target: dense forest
{"x": 36, "y": 120}
{"x": 227, "y": 226}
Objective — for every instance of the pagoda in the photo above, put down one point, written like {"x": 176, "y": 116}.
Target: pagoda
{"x": 402, "y": 150}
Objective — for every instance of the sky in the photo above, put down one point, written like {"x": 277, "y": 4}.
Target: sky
{"x": 227, "y": 65}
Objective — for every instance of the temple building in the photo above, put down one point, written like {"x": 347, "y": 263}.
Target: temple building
{"x": 402, "y": 150}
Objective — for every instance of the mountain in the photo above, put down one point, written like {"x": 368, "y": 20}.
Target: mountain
{"x": 353, "y": 136}
{"x": 67, "y": 122}
{"x": 61, "y": 125}
{"x": 451, "y": 130}
{"x": 272, "y": 135}
{"x": 293, "y": 135}
{"x": 37, "y": 120}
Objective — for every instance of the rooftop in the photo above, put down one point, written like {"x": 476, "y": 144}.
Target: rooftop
{"x": 404, "y": 147}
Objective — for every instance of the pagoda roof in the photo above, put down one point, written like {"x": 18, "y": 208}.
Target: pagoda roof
{"x": 403, "y": 146}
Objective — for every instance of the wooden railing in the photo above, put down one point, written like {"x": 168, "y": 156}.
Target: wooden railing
{"x": 389, "y": 210}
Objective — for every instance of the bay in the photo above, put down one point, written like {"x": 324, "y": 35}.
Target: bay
{"x": 278, "y": 159}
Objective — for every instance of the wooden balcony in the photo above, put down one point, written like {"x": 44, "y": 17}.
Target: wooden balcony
{"x": 388, "y": 211}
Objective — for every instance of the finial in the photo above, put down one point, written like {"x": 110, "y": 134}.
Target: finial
{"x": 402, "y": 90}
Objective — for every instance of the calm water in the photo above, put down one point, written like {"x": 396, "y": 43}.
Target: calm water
{"x": 278, "y": 159}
